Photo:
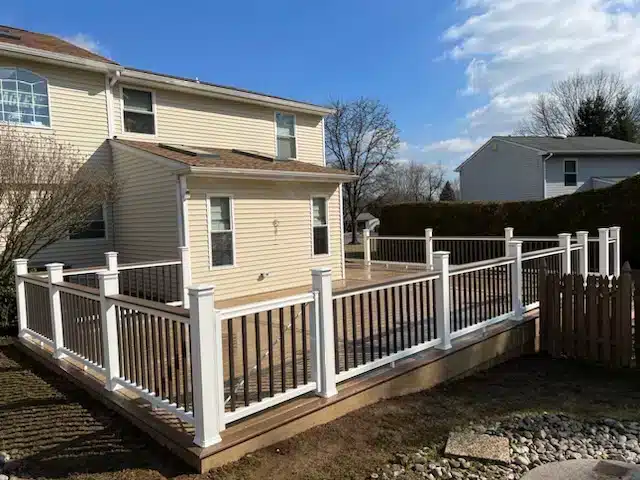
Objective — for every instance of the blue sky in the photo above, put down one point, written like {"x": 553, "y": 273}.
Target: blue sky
{"x": 452, "y": 72}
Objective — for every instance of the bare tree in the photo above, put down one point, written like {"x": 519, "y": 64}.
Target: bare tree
{"x": 409, "y": 182}
{"x": 46, "y": 191}
{"x": 556, "y": 112}
{"x": 360, "y": 137}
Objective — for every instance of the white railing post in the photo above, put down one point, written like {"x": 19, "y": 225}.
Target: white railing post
{"x": 428, "y": 247}
{"x": 603, "y": 251}
{"x": 508, "y": 236}
{"x": 583, "y": 253}
{"x": 564, "y": 241}
{"x": 108, "y": 283}
{"x": 111, "y": 259}
{"x": 515, "y": 251}
{"x": 614, "y": 232}
{"x": 21, "y": 268}
{"x": 206, "y": 365}
{"x": 186, "y": 274}
{"x": 54, "y": 271}
{"x": 366, "y": 245}
{"x": 443, "y": 308}
{"x": 322, "y": 340}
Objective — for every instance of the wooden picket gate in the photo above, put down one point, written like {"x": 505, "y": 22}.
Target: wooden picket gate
{"x": 590, "y": 320}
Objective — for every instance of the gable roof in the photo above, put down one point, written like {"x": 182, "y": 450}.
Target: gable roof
{"x": 233, "y": 161}
{"x": 21, "y": 43}
{"x": 49, "y": 43}
{"x": 564, "y": 146}
{"x": 579, "y": 145}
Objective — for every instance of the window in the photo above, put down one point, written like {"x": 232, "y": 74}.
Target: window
{"x": 138, "y": 111}
{"x": 24, "y": 97}
{"x": 221, "y": 231}
{"x": 286, "y": 135}
{"x": 95, "y": 227}
{"x": 570, "y": 173}
{"x": 320, "y": 226}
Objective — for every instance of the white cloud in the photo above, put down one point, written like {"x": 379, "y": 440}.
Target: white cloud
{"x": 455, "y": 145}
{"x": 514, "y": 49}
{"x": 87, "y": 42}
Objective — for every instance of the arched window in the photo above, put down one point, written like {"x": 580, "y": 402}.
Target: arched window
{"x": 24, "y": 97}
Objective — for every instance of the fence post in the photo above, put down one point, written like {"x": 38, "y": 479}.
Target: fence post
{"x": 186, "y": 274}
{"x": 428, "y": 247}
{"x": 206, "y": 365}
{"x": 443, "y": 313}
{"x": 543, "y": 309}
{"x": 508, "y": 236}
{"x": 564, "y": 241}
{"x": 54, "y": 271}
{"x": 603, "y": 251}
{"x": 108, "y": 284}
{"x": 20, "y": 267}
{"x": 322, "y": 339}
{"x": 366, "y": 245}
{"x": 625, "y": 322}
{"x": 583, "y": 254}
{"x": 614, "y": 232}
{"x": 111, "y": 259}
{"x": 515, "y": 250}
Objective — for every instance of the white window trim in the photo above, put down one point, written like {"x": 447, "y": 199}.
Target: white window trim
{"x": 326, "y": 206}
{"x": 208, "y": 196}
{"x": 564, "y": 171}
{"x": 106, "y": 230}
{"x": 24, "y": 125}
{"x": 154, "y": 112}
{"x": 295, "y": 133}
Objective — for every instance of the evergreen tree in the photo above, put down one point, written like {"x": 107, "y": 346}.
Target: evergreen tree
{"x": 594, "y": 118}
{"x": 622, "y": 125}
{"x": 447, "y": 194}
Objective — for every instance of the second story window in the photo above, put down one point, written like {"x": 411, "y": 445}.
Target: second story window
{"x": 138, "y": 111}
{"x": 570, "y": 173}
{"x": 286, "y": 136}
{"x": 24, "y": 97}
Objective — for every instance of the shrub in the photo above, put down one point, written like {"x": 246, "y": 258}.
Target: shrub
{"x": 618, "y": 205}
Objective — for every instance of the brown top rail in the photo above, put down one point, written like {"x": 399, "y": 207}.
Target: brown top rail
{"x": 37, "y": 279}
{"x": 542, "y": 253}
{"x": 482, "y": 264}
{"x": 397, "y": 281}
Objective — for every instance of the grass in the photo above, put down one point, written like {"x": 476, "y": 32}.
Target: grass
{"x": 57, "y": 431}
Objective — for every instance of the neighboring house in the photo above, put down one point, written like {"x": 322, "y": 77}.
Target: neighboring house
{"x": 239, "y": 177}
{"x": 534, "y": 168}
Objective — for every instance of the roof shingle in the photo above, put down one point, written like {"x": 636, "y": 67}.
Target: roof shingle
{"x": 574, "y": 144}
{"x": 48, "y": 43}
{"x": 234, "y": 159}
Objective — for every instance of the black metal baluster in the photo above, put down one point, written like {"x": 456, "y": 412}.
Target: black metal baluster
{"x": 345, "y": 330}
{"x": 379, "y": 312}
{"x": 283, "y": 361}
{"x": 305, "y": 376}
{"x": 371, "y": 334}
{"x": 294, "y": 357}
{"x": 336, "y": 343}
{"x": 393, "y": 319}
{"x": 363, "y": 337}
{"x": 256, "y": 320}
{"x": 232, "y": 372}
{"x": 354, "y": 338}
{"x": 245, "y": 359}
{"x": 401, "y": 289}
{"x": 270, "y": 349}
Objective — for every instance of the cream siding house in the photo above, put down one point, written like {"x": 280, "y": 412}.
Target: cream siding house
{"x": 237, "y": 177}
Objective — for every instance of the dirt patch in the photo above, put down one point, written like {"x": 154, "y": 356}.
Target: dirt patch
{"x": 59, "y": 431}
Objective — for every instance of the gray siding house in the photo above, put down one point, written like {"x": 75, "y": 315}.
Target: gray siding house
{"x": 535, "y": 168}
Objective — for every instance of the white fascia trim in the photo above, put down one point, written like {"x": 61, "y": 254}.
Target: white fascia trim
{"x": 29, "y": 53}
{"x": 497, "y": 139}
{"x": 254, "y": 174}
{"x": 190, "y": 86}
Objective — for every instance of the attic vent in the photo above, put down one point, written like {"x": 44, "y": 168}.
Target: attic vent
{"x": 254, "y": 153}
{"x": 8, "y": 34}
{"x": 193, "y": 152}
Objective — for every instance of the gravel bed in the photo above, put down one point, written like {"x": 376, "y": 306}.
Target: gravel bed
{"x": 533, "y": 440}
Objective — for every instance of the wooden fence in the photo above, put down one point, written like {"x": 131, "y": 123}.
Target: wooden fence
{"x": 589, "y": 320}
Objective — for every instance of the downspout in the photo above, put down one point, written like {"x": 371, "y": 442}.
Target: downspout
{"x": 544, "y": 175}
{"x": 110, "y": 79}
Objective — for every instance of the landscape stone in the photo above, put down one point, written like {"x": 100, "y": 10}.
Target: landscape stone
{"x": 478, "y": 446}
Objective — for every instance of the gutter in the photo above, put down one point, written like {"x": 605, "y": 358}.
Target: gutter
{"x": 246, "y": 173}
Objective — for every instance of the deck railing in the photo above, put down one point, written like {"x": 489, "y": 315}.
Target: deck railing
{"x": 212, "y": 367}
{"x": 160, "y": 281}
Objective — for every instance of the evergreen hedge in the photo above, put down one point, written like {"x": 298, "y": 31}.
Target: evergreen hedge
{"x": 618, "y": 205}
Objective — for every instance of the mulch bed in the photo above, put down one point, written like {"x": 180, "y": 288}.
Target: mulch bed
{"x": 56, "y": 430}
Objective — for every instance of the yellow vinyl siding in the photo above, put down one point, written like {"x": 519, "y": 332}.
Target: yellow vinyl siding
{"x": 284, "y": 252}
{"x": 78, "y": 113}
{"x": 146, "y": 218}
{"x": 203, "y": 121}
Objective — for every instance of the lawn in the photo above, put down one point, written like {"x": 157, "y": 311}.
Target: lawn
{"x": 58, "y": 431}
